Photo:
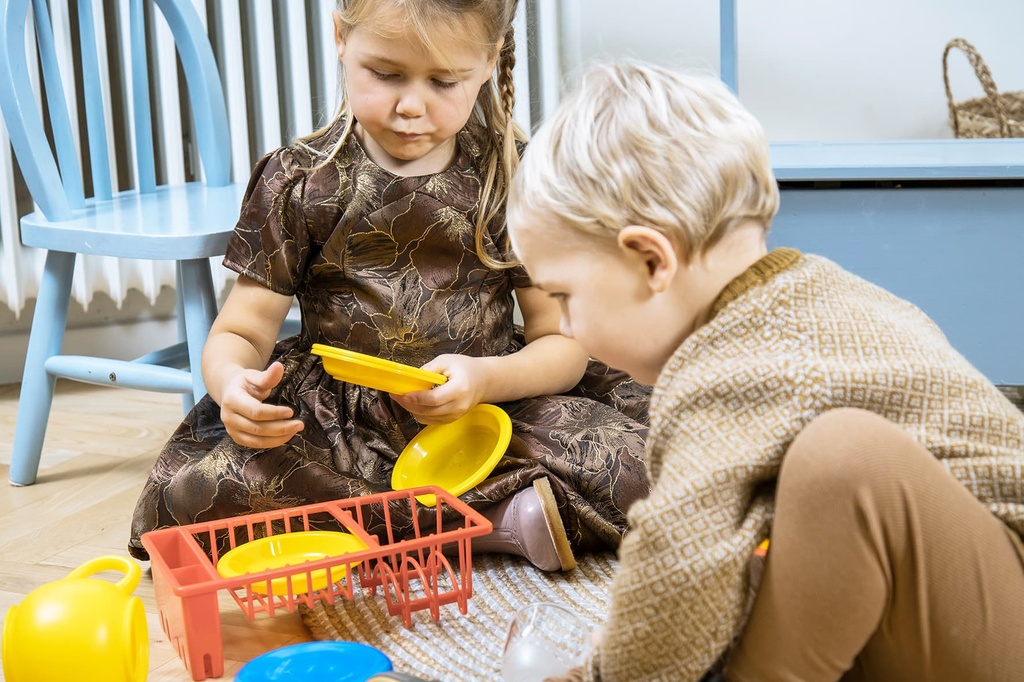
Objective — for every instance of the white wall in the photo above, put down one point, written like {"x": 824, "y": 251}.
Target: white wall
{"x": 817, "y": 69}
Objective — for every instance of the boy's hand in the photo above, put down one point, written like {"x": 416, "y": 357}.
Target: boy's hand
{"x": 248, "y": 420}
{"x": 452, "y": 399}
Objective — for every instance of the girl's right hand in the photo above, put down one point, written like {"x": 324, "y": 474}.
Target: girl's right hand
{"x": 248, "y": 420}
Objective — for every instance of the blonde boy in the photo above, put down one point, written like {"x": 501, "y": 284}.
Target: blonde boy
{"x": 791, "y": 399}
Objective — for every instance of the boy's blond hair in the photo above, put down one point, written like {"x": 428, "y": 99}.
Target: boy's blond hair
{"x": 637, "y": 144}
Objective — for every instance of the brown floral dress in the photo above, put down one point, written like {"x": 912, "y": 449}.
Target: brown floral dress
{"x": 387, "y": 265}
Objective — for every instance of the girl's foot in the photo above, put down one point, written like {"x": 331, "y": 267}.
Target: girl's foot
{"x": 528, "y": 525}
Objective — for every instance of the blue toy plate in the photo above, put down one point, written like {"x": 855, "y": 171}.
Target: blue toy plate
{"x": 320, "y": 661}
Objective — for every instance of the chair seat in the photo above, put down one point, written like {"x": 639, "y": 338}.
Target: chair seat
{"x": 177, "y": 222}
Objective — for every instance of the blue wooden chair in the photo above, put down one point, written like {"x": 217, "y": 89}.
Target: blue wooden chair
{"x": 187, "y": 223}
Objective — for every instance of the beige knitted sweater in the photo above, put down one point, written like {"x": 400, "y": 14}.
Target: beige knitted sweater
{"x": 792, "y": 337}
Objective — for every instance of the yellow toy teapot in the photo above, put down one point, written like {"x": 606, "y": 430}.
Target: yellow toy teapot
{"x": 79, "y": 628}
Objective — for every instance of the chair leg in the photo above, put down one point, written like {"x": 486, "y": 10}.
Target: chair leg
{"x": 45, "y": 340}
{"x": 199, "y": 304}
{"x": 188, "y": 400}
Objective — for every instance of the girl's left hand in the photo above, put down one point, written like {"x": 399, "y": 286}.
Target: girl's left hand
{"x": 445, "y": 403}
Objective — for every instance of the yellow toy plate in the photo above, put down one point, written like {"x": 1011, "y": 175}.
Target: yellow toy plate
{"x": 290, "y": 549}
{"x": 454, "y": 456}
{"x": 366, "y": 370}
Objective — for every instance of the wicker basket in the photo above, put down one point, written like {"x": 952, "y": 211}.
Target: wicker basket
{"x": 994, "y": 115}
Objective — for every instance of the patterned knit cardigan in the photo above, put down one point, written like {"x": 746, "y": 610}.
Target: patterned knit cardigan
{"x": 797, "y": 336}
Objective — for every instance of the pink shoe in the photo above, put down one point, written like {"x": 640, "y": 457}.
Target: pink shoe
{"x": 528, "y": 525}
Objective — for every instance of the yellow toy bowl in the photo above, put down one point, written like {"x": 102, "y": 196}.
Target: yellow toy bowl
{"x": 366, "y": 370}
{"x": 290, "y": 549}
{"x": 454, "y": 456}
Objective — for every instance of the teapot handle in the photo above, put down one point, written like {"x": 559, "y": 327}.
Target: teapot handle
{"x": 132, "y": 571}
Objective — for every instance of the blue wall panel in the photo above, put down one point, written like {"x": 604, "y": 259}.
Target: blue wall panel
{"x": 957, "y": 253}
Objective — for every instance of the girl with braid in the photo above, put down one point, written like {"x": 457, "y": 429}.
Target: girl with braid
{"x": 389, "y": 227}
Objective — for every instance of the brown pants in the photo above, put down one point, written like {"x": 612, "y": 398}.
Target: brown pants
{"x": 882, "y": 566}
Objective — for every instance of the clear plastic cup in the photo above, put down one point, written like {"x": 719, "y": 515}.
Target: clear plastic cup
{"x": 544, "y": 640}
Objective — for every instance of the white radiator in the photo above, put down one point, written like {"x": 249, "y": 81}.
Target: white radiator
{"x": 279, "y": 68}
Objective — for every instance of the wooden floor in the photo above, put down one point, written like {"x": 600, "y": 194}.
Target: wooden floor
{"x": 100, "y": 446}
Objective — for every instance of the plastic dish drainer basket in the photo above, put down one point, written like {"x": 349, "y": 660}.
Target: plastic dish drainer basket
{"x": 994, "y": 115}
{"x": 412, "y": 573}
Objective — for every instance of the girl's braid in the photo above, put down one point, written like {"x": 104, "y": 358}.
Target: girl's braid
{"x": 506, "y": 88}
{"x": 503, "y": 163}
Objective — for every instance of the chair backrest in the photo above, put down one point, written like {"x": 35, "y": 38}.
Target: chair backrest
{"x": 55, "y": 180}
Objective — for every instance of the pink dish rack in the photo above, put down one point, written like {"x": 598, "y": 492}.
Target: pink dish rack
{"x": 413, "y": 573}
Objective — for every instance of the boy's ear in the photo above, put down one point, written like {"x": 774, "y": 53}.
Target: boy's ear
{"x": 654, "y": 251}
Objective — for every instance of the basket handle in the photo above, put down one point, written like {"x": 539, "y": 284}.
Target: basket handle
{"x": 987, "y": 84}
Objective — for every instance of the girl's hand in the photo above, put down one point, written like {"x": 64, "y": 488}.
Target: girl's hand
{"x": 452, "y": 399}
{"x": 248, "y": 420}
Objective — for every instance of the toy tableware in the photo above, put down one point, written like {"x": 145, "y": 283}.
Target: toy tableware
{"x": 423, "y": 571}
{"x": 454, "y": 456}
{"x": 366, "y": 370}
{"x": 321, "y": 661}
{"x": 290, "y": 549}
{"x": 544, "y": 640}
{"x": 79, "y": 628}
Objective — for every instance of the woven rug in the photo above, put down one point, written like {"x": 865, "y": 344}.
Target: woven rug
{"x": 465, "y": 647}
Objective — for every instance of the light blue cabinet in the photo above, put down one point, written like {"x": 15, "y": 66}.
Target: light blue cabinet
{"x": 937, "y": 222}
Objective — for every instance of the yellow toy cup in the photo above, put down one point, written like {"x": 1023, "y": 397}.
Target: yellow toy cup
{"x": 81, "y": 629}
